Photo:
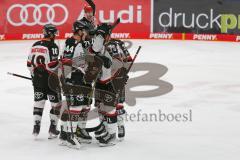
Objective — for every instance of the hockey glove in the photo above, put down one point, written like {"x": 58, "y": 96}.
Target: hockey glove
{"x": 104, "y": 29}
{"x": 106, "y": 61}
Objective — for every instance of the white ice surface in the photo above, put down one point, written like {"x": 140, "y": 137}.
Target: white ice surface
{"x": 206, "y": 79}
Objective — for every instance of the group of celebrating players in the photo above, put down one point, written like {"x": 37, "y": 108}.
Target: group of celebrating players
{"x": 92, "y": 66}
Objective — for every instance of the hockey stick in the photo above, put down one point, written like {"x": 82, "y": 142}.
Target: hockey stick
{"x": 24, "y": 77}
{"x": 134, "y": 58}
{"x": 115, "y": 23}
{"x": 18, "y": 75}
{"x": 91, "y": 3}
{"x": 98, "y": 126}
{"x": 67, "y": 102}
{"x": 129, "y": 68}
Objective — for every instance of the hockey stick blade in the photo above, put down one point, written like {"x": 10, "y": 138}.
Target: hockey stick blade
{"x": 9, "y": 73}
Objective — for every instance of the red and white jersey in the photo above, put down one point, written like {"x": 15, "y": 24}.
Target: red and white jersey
{"x": 99, "y": 48}
{"x": 43, "y": 54}
{"x": 106, "y": 74}
{"x": 120, "y": 56}
{"x": 74, "y": 55}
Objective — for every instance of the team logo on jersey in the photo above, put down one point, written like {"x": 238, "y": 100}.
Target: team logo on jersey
{"x": 38, "y": 95}
{"x": 38, "y": 14}
{"x": 108, "y": 98}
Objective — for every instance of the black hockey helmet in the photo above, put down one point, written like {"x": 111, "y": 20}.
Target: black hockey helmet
{"x": 49, "y": 30}
{"x": 79, "y": 25}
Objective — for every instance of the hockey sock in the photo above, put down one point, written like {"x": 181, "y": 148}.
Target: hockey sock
{"x": 120, "y": 114}
{"x": 83, "y": 118}
{"x": 38, "y": 110}
{"x": 64, "y": 121}
{"x": 111, "y": 119}
{"x": 54, "y": 114}
{"x": 74, "y": 113}
{"x": 37, "y": 114}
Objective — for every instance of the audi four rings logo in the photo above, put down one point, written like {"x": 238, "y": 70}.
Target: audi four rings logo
{"x": 37, "y": 14}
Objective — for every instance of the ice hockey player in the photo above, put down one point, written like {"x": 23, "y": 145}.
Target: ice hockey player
{"x": 89, "y": 18}
{"x": 105, "y": 95}
{"x": 91, "y": 22}
{"x": 121, "y": 59}
{"x": 75, "y": 65}
{"x": 43, "y": 61}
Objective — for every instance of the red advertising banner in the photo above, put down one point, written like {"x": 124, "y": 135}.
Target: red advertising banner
{"x": 24, "y": 19}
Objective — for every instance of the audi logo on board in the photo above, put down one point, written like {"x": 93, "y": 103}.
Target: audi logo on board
{"x": 40, "y": 14}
